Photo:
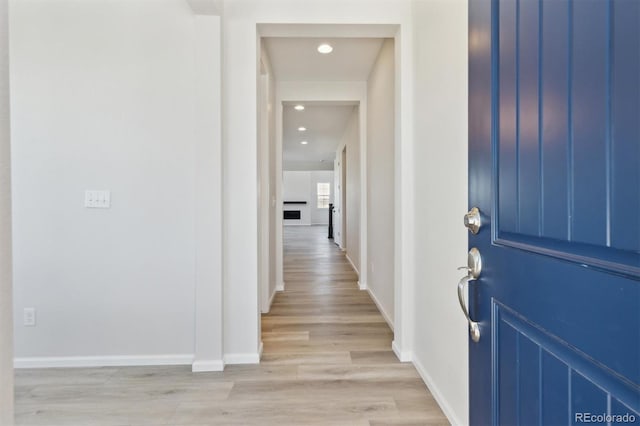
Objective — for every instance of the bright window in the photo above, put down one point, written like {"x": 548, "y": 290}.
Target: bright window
{"x": 324, "y": 191}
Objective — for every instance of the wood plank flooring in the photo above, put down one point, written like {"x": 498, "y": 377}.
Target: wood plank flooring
{"x": 326, "y": 361}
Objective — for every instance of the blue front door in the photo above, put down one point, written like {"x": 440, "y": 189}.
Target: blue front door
{"x": 554, "y": 168}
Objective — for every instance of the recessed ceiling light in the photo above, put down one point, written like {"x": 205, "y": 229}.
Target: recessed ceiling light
{"x": 299, "y": 107}
{"x": 325, "y": 48}
{"x": 302, "y": 129}
{"x": 304, "y": 142}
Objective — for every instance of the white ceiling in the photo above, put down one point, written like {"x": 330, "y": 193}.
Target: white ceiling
{"x": 325, "y": 125}
{"x": 297, "y": 59}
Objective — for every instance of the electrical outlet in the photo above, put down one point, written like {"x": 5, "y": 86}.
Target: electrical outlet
{"x": 29, "y": 317}
{"x": 97, "y": 199}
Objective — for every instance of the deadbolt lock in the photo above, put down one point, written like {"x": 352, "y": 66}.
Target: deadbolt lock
{"x": 472, "y": 220}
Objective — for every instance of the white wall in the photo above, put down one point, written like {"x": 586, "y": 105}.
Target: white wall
{"x": 208, "y": 211}
{"x": 266, "y": 185}
{"x": 352, "y": 188}
{"x": 263, "y": 185}
{"x": 303, "y": 186}
{"x": 104, "y": 97}
{"x": 6, "y": 329}
{"x": 440, "y": 343}
{"x": 381, "y": 180}
{"x": 275, "y": 175}
{"x": 337, "y": 200}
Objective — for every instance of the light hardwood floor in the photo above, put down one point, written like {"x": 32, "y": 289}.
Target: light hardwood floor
{"x": 326, "y": 361}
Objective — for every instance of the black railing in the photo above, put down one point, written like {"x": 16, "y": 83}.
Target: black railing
{"x": 331, "y": 220}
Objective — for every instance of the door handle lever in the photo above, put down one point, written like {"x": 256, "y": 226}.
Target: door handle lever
{"x": 474, "y": 329}
{"x": 473, "y": 268}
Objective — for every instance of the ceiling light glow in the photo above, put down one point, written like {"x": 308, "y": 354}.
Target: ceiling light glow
{"x": 304, "y": 142}
{"x": 302, "y": 129}
{"x": 299, "y": 107}
{"x": 325, "y": 48}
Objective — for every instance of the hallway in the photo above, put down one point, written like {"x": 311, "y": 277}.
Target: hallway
{"x": 326, "y": 361}
{"x": 339, "y": 343}
{"x": 322, "y": 313}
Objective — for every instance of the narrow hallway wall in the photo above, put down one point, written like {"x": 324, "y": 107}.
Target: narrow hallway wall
{"x": 351, "y": 139}
{"x": 380, "y": 180}
{"x": 6, "y": 331}
{"x": 440, "y": 130}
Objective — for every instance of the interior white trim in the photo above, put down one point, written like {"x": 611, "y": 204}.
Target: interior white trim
{"x": 328, "y": 30}
{"x": 384, "y": 313}
{"x": 208, "y": 365}
{"x": 403, "y": 356}
{"x": 206, "y": 7}
{"x": 103, "y": 361}
{"x": 248, "y": 358}
{"x": 270, "y": 301}
{"x": 442, "y": 402}
{"x": 352, "y": 264}
{"x": 280, "y": 286}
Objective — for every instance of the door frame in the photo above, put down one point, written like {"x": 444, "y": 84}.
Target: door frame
{"x": 343, "y": 198}
{"x": 264, "y": 189}
{"x": 320, "y": 93}
{"x": 350, "y": 92}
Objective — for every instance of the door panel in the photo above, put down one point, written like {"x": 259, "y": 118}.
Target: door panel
{"x": 625, "y": 103}
{"x": 553, "y": 89}
{"x": 587, "y": 142}
{"x": 554, "y": 113}
{"x": 588, "y": 386}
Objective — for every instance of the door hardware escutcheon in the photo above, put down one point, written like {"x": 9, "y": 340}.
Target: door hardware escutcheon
{"x": 474, "y": 263}
{"x": 473, "y": 268}
{"x": 473, "y": 221}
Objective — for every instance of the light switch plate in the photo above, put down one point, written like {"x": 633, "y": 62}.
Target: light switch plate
{"x": 29, "y": 317}
{"x": 94, "y": 199}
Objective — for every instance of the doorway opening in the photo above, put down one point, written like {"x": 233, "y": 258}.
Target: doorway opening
{"x": 330, "y": 119}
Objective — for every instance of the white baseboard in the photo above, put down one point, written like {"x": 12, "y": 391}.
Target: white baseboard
{"x": 103, "y": 361}
{"x": 248, "y": 358}
{"x": 280, "y": 286}
{"x": 267, "y": 308}
{"x": 207, "y": 365}
{"x": 362, "y": 285}
{"x": 403, "y": 356}
{"x": 273, "y": 296}
{"x": 437, "y": 395}
{"x": 384, "y": 313}
{"x": 352, "y": 264}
